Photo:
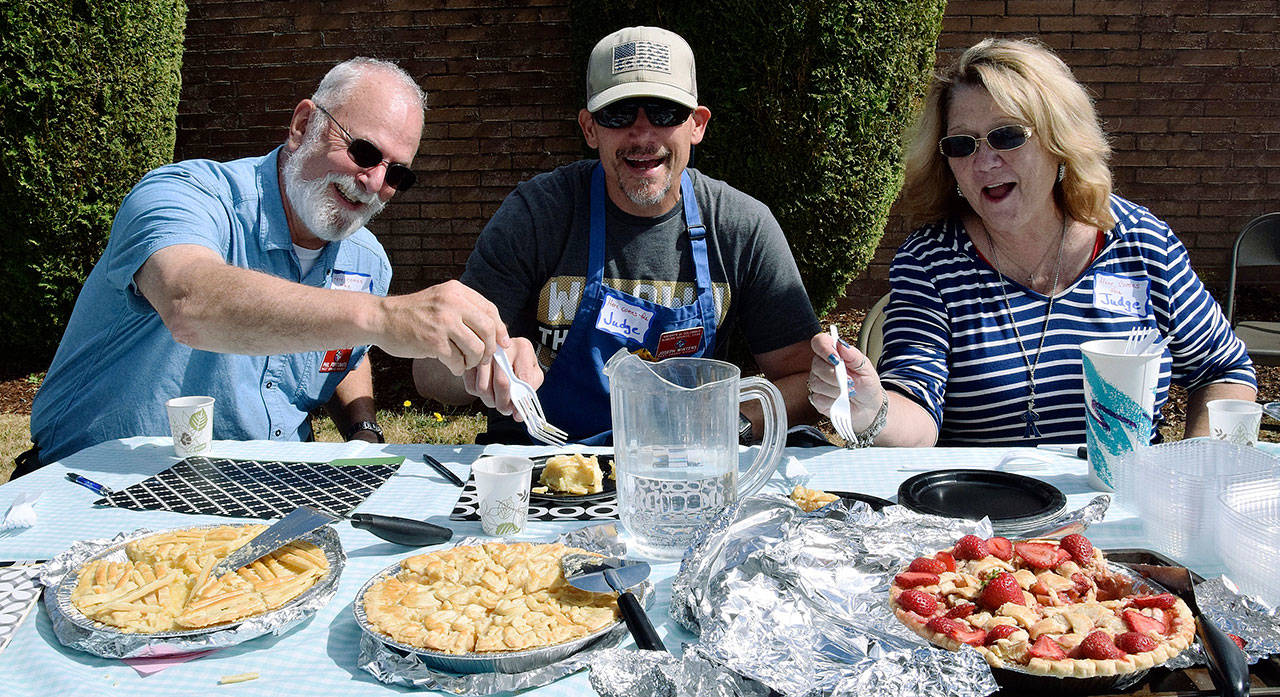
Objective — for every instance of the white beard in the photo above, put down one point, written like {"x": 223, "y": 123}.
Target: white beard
{"x": 314, "y": 205}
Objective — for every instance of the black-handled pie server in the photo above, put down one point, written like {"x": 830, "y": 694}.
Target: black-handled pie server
{"x": 597, "y": 574}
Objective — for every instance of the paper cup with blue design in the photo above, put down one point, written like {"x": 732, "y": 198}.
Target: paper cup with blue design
{"x": 191, "y": 422}
{"x": 1119, "y": 397}
{"x": 502, "y": 492}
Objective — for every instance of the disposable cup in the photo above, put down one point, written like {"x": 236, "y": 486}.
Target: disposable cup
{"x": 191, "y": 423}
{"x": 1119, "y": 398}
{"x": 502, "y": 487}
{"x": 1235, "y": 420}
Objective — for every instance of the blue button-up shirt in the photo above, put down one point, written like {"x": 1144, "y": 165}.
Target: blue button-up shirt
{"x": 118, "y": 364}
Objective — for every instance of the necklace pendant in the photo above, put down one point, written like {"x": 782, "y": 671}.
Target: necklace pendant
{"x": 1031, "y": 417}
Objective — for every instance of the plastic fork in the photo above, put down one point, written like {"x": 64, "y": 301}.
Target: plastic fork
{"x": 528, "y": 406}
{"x": 1137, "y": 340}
{"x": 840, "y": 418}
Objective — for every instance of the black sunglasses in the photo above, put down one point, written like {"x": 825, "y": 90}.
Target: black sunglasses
{"x": 660, "y": 113}
{"x": 1009, "y": 137}
{"x": 366, "y": 155}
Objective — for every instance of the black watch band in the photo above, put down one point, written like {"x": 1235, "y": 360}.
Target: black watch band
{"x": 370, "y": 426}
{"x": 744, "y": 430}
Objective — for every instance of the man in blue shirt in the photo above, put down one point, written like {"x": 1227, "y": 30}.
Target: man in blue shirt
{"x": 256, "y": 282}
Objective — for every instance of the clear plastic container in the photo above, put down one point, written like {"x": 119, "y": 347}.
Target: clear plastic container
{"x": 1249, "y": 535}
{"x": 1174, "y": 489}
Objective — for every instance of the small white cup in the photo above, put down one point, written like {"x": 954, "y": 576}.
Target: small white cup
{"x": 502, "y": 487}
{"x": 1235, "y": 420}
{"x": 191, "y": 423}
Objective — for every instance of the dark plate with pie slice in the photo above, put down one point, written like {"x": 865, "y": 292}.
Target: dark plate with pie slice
{"x": 1012, "y": 501}
{"x": 875, "y": 502}
{"x": 609, "y": 491}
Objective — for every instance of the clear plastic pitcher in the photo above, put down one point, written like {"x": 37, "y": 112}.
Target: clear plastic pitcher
{"x": 675, "y": 437}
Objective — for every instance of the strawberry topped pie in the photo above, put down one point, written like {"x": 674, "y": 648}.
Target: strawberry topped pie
{"x": 1041, "y": 606}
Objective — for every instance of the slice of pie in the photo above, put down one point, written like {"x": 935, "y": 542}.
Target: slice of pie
{"x": 165, "y": 584}
{"x": 484, "y": 598}
{"x": 810, "y": 500}
{"x": 1041, "y": 606}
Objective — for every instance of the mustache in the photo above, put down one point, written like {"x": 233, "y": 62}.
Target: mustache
{"x": 347, "y": 184}
{"x": 643, "y": 153}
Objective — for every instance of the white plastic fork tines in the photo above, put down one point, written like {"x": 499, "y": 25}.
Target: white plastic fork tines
{"x": 841, "y": 420}
{"x": 527, "y": 405}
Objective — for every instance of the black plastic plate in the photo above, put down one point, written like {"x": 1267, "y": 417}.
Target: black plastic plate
{"x": 606, "y": 466}
{"x": 1006, "y": 498}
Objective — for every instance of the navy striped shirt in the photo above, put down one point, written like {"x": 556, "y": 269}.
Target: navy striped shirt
{"x": 949, "y": 344}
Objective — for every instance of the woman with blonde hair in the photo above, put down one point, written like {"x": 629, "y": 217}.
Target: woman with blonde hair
{"x": 1022, "y": 254}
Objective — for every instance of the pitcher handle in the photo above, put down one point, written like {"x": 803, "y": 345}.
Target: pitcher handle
{"x": 775, "y": 433}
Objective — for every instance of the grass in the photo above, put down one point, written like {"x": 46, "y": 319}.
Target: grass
{"x": 15, "y": 437}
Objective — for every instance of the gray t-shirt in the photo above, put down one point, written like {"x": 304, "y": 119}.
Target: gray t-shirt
{"x": 531, "y": 261}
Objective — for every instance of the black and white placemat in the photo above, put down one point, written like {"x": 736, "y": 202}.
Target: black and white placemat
{"x": 605, "y": 508}
{"x": 19, "y": 591}
{"x": 253, "y": 488}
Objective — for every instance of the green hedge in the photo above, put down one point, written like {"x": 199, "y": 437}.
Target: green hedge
{"x": 88, "y": 104}
{"x": 809, "y": 102}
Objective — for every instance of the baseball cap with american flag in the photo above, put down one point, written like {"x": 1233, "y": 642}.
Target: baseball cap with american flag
{"x": 641, "y": 62}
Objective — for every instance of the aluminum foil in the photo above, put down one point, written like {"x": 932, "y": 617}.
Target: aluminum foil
{"x": 76, "y": 631}
{"x": 390, "y": 665}
{"x": 1247, "y": 617}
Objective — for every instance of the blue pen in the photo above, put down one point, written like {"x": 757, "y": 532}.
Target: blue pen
{"x": 89, "y": 484}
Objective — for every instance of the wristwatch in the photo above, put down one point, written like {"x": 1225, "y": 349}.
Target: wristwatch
{"x": 744, "y": 431}
{"x": 370, "y": 426}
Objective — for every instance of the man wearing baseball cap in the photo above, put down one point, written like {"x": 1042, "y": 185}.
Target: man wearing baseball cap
{"x": 634, "y": 250}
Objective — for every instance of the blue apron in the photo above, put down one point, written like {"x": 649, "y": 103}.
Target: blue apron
{"x": 575, "y": 395}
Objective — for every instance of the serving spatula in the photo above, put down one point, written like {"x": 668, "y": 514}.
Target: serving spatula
{"x": 597, "y": 574}
{"x": 1228, "y": 667}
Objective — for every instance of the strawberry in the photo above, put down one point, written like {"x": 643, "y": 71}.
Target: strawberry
{"x": 1061, "y": 555}
{"x": 1037, "y": 554}
{"x": 1047, "y": 648}
{"x": 1099, "y": 646}
{"x": 930, "y": 566}
{"x": 1000, "y": 548}
{"x": 943, "y": 625}
{"x": 1079, "y": 547}
{"x": 919, "y": 602}
{"x": 911, "y": 579}
{"x": 1164, "y": 601}
{"x": 946, "y": 558}
{"x": 960, "y": 631}
{"x": 1139, "y": 622}
{"x": 970, "y": 547}
{"x": 1239, "y": 642}
{"x": 961, "y": 611}
{"x": 1135, "y": 642}
{"x": 1082, "y": 584}
{"x": 1001, "y": 631}
{"x": 1001, "y": 589}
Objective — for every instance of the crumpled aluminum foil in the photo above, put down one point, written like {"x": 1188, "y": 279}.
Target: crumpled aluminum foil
{"x": 76, "y": 631}
{"x": 1247, "y": 617}
{"x": 391, "y": 666}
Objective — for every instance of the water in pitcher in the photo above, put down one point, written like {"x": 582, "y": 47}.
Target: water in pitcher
{"x": 662, "y": 505}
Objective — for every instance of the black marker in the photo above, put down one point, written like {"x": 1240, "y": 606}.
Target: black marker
{"x": 1079, "y": 451}
{"x": 89, "y": 484}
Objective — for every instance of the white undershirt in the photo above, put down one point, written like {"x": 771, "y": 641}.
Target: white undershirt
{"x": 307, "y": 257}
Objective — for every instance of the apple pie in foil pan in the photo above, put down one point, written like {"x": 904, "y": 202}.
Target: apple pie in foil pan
{"x": 484, "y": 673}
{"x": 77, "y": 631}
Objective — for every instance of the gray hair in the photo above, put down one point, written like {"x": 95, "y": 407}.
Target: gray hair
{"x": 341, "y": 80}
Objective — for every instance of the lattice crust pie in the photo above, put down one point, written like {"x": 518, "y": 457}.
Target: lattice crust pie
{"x": 1041, "y": 606}
{"x": 491, "y": 597}
{"x": 810, "y": 500}
{"x": 165, "y": 585}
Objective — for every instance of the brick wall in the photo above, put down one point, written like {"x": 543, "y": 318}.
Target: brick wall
{"x": 1188, "y": 89}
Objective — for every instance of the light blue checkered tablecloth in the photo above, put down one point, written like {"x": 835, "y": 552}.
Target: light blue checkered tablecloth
{"x": 319, "y": 657}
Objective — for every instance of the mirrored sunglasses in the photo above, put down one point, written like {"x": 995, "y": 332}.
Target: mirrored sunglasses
{"x": 1004, "y": 138}
{"x": 367, "y": 155}
{"x": 659, "y": 112}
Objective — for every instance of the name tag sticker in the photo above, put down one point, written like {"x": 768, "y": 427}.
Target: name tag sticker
{"x": 335, "y": 360}
{"x": 1124, "y": 296}
{"x": 350, "y": 280}
{"x": 681, "y": 342}
{"x": 621, "y": 318}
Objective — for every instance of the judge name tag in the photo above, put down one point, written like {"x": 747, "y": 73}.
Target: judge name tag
{"x": 681, "y": 342}
{"x": 1124, "y": 296}
{"x": 621, "y": 318}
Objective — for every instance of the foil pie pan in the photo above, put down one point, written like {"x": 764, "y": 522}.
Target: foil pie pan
{"x": 77, "y": 631}
{"x": 486, "y": 673}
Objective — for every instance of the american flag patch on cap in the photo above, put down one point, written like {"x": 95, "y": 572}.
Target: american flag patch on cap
{"x": 641, "y": 55}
